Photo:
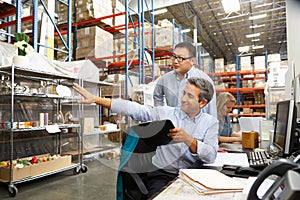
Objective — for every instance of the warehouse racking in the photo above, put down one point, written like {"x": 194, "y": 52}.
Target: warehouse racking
{"x": 254, "y": 96}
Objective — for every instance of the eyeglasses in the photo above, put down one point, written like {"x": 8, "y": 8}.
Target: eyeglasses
{"x": 179, "y": 58}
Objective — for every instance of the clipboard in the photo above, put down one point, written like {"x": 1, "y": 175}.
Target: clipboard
{"x": 154, "y": 133}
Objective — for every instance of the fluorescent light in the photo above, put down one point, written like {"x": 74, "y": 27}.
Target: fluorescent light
{"x": 258, "y": 26}
{"x": 185, "y": 30}
{"x": 244, "y": 49}
{"x": 231, "y": 5}
{"x": 255, "y": 40}
{"x": 205, "y": 54}
{"x": 160, "y": 11}
{"x": 258, "y": 47}
{"x": 253, "y": 35}
{"x": 257, "y": 16}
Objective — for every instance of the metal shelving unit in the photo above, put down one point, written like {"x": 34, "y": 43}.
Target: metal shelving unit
{"x": 241, "y": 92}
{"x": 33, "y": 140}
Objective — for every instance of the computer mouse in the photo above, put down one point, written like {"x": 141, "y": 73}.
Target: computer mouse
{"x": 247, "y": 171}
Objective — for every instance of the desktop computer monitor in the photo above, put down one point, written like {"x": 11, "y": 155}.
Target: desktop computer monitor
{"x": 285, "y": 137}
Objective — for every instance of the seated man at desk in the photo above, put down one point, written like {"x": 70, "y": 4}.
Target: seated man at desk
{"x": 225, "y": 102}
{"x": 195, "y": 132}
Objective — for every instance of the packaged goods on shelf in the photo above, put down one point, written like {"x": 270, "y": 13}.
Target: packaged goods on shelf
{"x": 207, "y": 62}
{"x": 91, "y": 42}
{"x": 245, "y": 63}
{"x": 90, "y": 9}
{"x": 164, "y": 36}
{"x": 165, "y": 23}
{"x": 274, "y": 57}
{"x": 277, "y": 72}
{"x": 247, "y": 110}
{"x": 230, "y": 68}
{"x": 259, "y": 62}
{"x": 219, "y": 65}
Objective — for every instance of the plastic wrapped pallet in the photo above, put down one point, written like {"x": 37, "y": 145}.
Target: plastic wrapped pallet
{"x": 259, "y": 62}
{"x": 219, "y": 65}
{"x": 94, "y": 42}
{"x": 164, "y": 36}
{"x": 245, "y": 63}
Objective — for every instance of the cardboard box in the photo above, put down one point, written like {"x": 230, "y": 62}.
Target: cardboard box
{"x": 249, "y": 140}
{"x": 219, "y": 65}
{"x": 35, "y": 169}
{"x": 51, "y": 165}
{"x": 18, "y": 173}
{"x": 114, "y": 136}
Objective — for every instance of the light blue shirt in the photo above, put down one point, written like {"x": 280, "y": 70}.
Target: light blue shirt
{"x": 170, "y": 88}
{"x": 172, "y": 157}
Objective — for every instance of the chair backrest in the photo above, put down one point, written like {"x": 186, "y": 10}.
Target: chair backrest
{"x": 135, "y": 162}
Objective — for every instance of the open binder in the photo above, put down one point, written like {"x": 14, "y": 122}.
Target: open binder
{"x": 209, "y": 181}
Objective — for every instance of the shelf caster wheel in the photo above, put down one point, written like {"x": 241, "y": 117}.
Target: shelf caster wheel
{"x": 84, "y": 169}
{"x": 76, "y": 170}
{"x": 12, "y": 190}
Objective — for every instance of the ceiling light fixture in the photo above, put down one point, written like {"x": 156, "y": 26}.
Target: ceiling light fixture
{"x": 257, "y": 16}
{"x": 253, "y": 35}
{"x": 258, "y": 47}
{"x": 258, "y": 26}
{"x": 185, "y": 30}
{"x": 255, "y": 40}
{"x": 231, "y": 5}
{"x": 263, "y": 5}
{"x": 160, "y": 11}
{"x": 244, "y": 49}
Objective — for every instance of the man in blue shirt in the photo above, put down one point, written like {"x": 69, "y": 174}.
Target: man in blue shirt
{"x": 170, "y": 86}
{"x": 195, "y": 132}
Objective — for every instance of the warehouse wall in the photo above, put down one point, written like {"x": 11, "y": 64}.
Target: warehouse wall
{"x": 293, "y": 42}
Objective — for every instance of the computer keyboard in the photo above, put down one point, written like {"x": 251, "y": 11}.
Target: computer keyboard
{"x": 259, "y": 160}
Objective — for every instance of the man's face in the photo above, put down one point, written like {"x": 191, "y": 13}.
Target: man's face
{"x": 185, "y": 65}
{"x": 190, "y": 100}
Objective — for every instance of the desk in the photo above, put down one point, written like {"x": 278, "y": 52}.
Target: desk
{"x": 179, "y": 190}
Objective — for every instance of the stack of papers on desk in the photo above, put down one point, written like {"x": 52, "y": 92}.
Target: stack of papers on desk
{"x": 209, "y": 181}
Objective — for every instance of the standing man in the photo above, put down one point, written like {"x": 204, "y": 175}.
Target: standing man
{"x": 195, "y": 132}
{"x": 170, "y": 86}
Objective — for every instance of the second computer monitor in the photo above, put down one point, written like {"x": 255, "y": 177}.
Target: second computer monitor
{"x": 285, "y": 124}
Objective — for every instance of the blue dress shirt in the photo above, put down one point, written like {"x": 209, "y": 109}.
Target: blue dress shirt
{"x": 172, "y": 157}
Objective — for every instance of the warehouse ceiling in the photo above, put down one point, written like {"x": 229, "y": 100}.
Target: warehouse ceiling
{"x": 221, "y": 34}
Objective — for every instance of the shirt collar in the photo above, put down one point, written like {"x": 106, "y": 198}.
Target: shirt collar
{"x": 188, "y": 74}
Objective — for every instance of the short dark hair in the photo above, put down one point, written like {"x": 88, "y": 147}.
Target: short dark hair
{"x": 189, "y": 46}
{"x": 207, "y": 89}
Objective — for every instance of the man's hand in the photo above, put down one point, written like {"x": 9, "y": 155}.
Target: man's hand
{"x": 179, "y": 135}
{"x": 88, "y": 97}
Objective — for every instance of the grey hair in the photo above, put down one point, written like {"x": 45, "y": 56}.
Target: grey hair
{"x": 207, "y": 89}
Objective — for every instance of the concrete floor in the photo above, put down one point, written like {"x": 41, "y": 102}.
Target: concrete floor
{"x": 99, "y": 182}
